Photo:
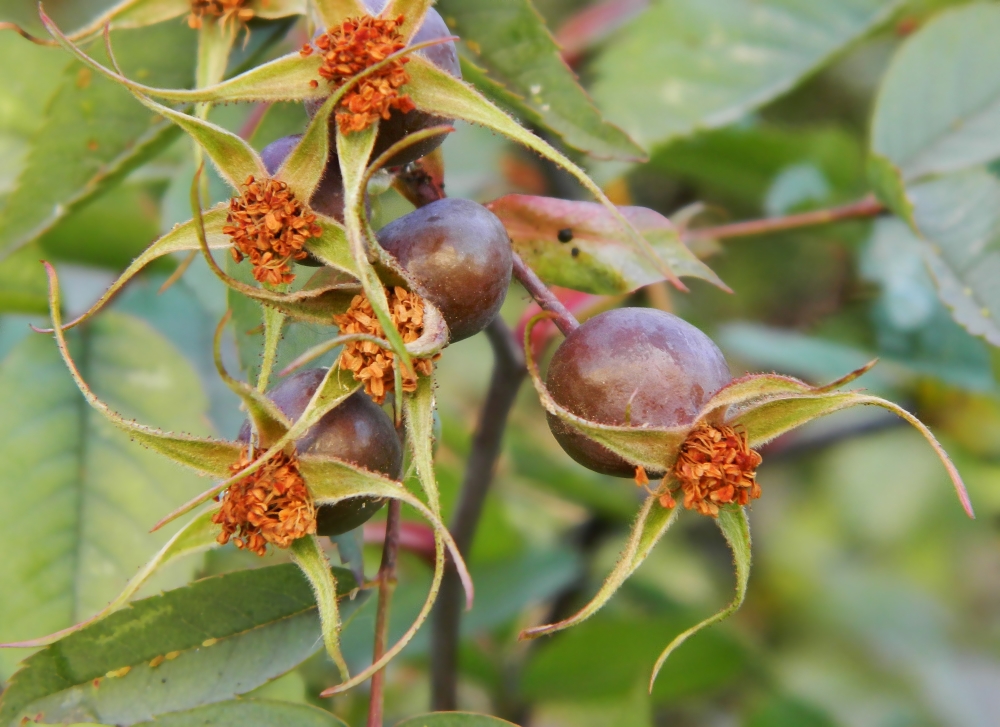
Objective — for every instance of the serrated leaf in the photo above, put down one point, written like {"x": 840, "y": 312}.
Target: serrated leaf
{"x": 598, "y": 258}
{"x": 93, "y": 134}
{"x": 454, "y": 719}
{"x": 938, "y": 109}
{"x": 733, "y": 523}
{"x": 437, "y": 92}
{"x": 248, "y": 713}
{"x": 84, "y": 495}
{"x": 958, "y": 216}
{"x": 688, "y": 65}
{"x": 224, "y": 635}
{"x": 207, "y": 456}
{"x": 510, "y": 39}
{"x": 309, "y": 556}
{"x": 418, "y": 411}
{"x": 650, "y": 525}
{"x": 197, "y": 536}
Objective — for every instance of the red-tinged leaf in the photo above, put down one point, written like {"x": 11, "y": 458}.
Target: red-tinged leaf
{"x": 208, "y": 456}
{"x": 309, "y": 556}
{"x": 593, "y": 24}
{"x": 581, "y": 245}
{"x": 652, "y": 522}
{"x": 732, "y": 521}
{"x": 197, "y": 536}
{"x": 437, "y": 92}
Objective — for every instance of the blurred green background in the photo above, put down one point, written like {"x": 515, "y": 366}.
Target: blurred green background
{"x": 873, "y": 602}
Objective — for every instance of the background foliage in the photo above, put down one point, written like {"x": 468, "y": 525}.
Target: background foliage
{"x": 874, "y": 601}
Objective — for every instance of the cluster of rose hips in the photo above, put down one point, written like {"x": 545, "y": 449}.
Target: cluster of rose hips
{"x": 632, "y": 366}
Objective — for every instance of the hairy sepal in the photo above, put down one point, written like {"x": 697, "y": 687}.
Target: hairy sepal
{"x": 309, "y": 556}
{"x": 332, "y": 481}
{"x": 651, "y": 524}
{"x": 439, "y": 93}
{"x": 199, "y": 535}
{"x": 418, "y": 412}
{"x": 600, "y": 258}
{"x": 183, "y": 238}
{"x": 333, "y": 12}
{"x": 304, "y": 167}
{"x": 413, "y": 12}
{"x": 735, "y": 527}
{"x": 207, "y": 456}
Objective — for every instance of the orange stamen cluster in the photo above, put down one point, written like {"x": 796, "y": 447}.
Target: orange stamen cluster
{"x": 271, "y": 505}
{"x": 358, "y": 44}
{"x": 716, "y": 467}
{"x": 271, "y": 227}
{"x": 225, "y": 9}
{"x": 370, "y": 363}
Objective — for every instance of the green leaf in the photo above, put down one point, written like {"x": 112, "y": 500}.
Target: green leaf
{"x": 309, "y": 556}
{"x": 24, "y": 288}
{"x": 224, "y": 635}
{"x": 510, "y": 39}
{"x": 958, "y": 216}
{"x": 938, "y": 109}
{"x": 437, "y": 92}
{"x": 652, "y": 522}
{"x": 197, "y": 536}
{"x": 732, "y": 521}
{"x": 93, "y": 134}
{"x": 887, "y": 183}
{"x": 599, "y": 257}
{"x": 206, "y": 456}
{"x": 248, "y": 713}
{"x": 418, "y": 409}
{"x": 85, "y": 496}
{"x": 454, "y": 719}
{"x": 687, "y": 65}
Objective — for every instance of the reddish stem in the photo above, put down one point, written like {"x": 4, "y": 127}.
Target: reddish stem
{"x": 867, "y": 207}
{"x": 386, "y": 585}
{"x": 546, "y": 299}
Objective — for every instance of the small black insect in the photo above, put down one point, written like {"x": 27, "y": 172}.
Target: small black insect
{"x": 575, "y": 252}
{"x": 565, "y": 235}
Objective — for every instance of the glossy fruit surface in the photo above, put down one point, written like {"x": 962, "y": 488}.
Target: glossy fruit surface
{"x": 399, "y": 125}
{"x": 631, "y": 366}
{"x": 459, "y": 255}
{"x": 357, "y": 431}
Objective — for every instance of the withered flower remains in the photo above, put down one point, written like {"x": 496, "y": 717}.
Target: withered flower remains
{"x": 271, "y": 227}
{"x": 357, "y": 44}
{"x": 716, "y": 467}
{"x": 370, "y": 363}
{"x": 271, "y": 505}
{"x": 227, "y": 10}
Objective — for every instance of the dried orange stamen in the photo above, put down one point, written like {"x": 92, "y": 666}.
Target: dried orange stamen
{"x": 372, "y": 364}
{"x": 269, "y": 226}
{"x": 272, "y": 505}
{"x": 357, "y": 44}
{"x": 227, "y": 10}
{"x": 716, "y": 467}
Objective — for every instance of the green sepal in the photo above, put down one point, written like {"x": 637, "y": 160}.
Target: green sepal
{"x": 439, "y": 93}
{"x": 208, "y": 456}
{"x": 309, "y": 556}
{"x": 735, "y": 527}
{"x": 333, "y": 12}
{"x": 650, "y": 525}
{"x": 418, "y": 412}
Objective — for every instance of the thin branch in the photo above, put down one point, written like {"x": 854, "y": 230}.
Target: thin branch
{"x": 564, "y": 320}
{"x": 386, "y": 585}
{"x": 508, "y": 372}
{"x": 867, "y": 207}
